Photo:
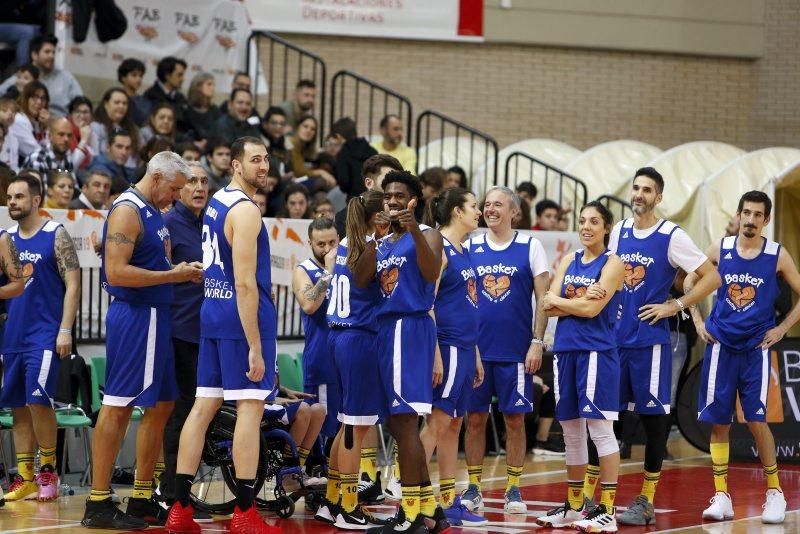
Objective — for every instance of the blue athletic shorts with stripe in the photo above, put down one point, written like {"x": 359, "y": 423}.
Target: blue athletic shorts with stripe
{"x": 223, "y": 364}
{"x": 279, "y": 413}
{"x": 727, "y": 372}
{"x": 586, "y": 384}
{"x": 507, "y": 381}
{"x": 29, "y": 377}
{"x": 406, "y": 348}
{"x": 645, "y": 379}
{"x": 140, "y": 361}
{"x": 355, "y": 357}
{"x": 330, "y": 396}
{"x": 452, "y": 394}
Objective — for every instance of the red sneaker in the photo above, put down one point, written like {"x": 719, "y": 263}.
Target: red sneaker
{"x": 250, "y": 522}
{"x": 179, "y": 520}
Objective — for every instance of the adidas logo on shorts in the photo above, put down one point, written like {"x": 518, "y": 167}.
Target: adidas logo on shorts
{"x": 587, "y": 409}
{"x": 395, "y": 404}
{"x": 760, "y": 411}
{"x": 519, "y": 403}
{"x": 651, "y": 404}
{"x": 728, "y": 256}
{"x": 38, "y": 393}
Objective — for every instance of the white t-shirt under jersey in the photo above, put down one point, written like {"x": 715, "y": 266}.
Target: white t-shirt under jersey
{"x": 682, "y": 251}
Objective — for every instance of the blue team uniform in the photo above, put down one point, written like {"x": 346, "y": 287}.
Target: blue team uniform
{"x": 744, "y": 311}
{"x": 351, "y": 315}
{"x": 30, "y": 363}
{"x": 3, "y": 281}
{"x": 456, "y": 309}
{"x": 406, "y": 331}
{"x": 586, "y": 351}
{"x": 223, "y": 360}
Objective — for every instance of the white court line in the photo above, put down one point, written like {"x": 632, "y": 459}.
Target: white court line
{"x": 34, "y": 529}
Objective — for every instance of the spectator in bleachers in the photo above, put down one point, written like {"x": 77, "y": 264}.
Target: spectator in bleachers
{"x": 9, "y": 153}
{"x": 238, "y": 121}
{"x": 5, "y": 171}
{"x": 161, "y": 123}
{"x": 112, "y": 114}
{"x": 548, "y": 213}
{"x": 129, "y": 74}
{"x": 260, "y": 200}
{"x": 115, "y": 160}
{"x": 241, "y": 80}
{"x": 167, "y": 87}
{"x": 31, "y": 121}
{"x": 322, "y": 208}
{"x": 95, "y": 192}
{"x": 372, "y": 172}
{"x": 218, "y": 164}
{"x": 332, "y": 146}
{"x": 154, "y": 146}
{"x": 188, "y": 151}
{"x": 732, "y": 228}
{"x": 295, "y": 204}
{"x": 527, "y": 191}
{"x": 301, "y": 105}
{"x": 26, "y": 74}
{"x": 80, "y": 118}
{"x": 432, "y": 181}
{"x": 55, "y": 154}
{"x": 350, "y": 159}
{"x": 392, "y": 143}
{"x": 20, "y": 22}
{"x": 303, "y": 157}
{"x": 199, "y": 118}
{"x": 272, "y": 129}
{"x": 456, "y": 177}
{"x": 61, "y": 84}
{"x": 522, "y": 219}
{"x": 60, "y": 189}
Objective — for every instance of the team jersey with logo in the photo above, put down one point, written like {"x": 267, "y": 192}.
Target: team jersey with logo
{"x": 586, "y": 333}
{"x": 317, "y": 363}
{"x": 506, "y": 300}
{"x": 149, "y": 252}
{"x": 745, "y": 307}
{"x": 456, "y": 303}
{"x": 350, "y": 306}
{"x": 403, "y": 288}
{"x": 35, "y": 316}
{"x": 219, "y": 315}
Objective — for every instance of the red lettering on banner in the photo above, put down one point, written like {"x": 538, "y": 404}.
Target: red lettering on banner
{"x": 470, "y": 18}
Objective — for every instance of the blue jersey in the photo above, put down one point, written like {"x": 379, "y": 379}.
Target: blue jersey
{"x": 35, "y": 316}
{"x": 648, "y": 277}
{"x": 3, "y": 281}
{"x": 586, "y": 333}
{"x": 351, "y": 306}
{"x": 317, "y": 363}
{"x": 219, "y": 314}
{"x": 149, "y": 252}
{"x": 403, "y": 288}
{"x": 456, "y": 304}
{"x": 745, "y": 307}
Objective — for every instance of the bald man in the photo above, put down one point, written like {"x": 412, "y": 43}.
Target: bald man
{"x": 55, "y": 155}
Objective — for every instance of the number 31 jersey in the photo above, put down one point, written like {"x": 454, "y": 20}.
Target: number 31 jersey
{"x": 351, "y": 306}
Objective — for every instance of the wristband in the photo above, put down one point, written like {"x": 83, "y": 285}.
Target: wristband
{"x": 682, "y": 309}
{"x": 537, "y": 341}
{"x": 65, "y": 330}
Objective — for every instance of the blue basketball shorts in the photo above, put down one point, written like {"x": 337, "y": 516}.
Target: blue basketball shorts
{"x": 29, "y": 377}
{"x": 279, "y": 413}
{"x": 586, "y": 385}
{"x": 645, "y": 379}
{"x": 140, "y": 361}
{"x": 406, "y": 348}
{"x": 509, "y": 383}
{"x": 329, "y": 396}
{"x": 356, "y": 362}
{"x": 452, "y": 394}
{"x": 222, "y": 369}
{"x": 727, "y": 372}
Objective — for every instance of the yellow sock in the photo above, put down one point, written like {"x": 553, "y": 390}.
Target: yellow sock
{"x": 427, "y": 501}
{"x": 332, "y": 489}
{"x": 369, "y": 462}
{"x": 575, "y": 494}
{"x": 142, "y": 489}
{"x": 99, "y": 495}
{"x": 349, "y": 491}
{"x": 302, "y": 453}
{"x": 447, "y": 491}
{"x": 396, "y": 462}
{"x": 158, "y": 470}
{"x": 590, "y": 480}
{"x": 475, "y": 473}
{"x": 410, "y": 502}
{"x": 608, "y": 490}
{"x": 512, "y": 476}
{"x": 720, "y": 453}
{"x": 25, "y": 465}
{"x": 47, "y": 456}
{"x": 649, "y": 485}
{"x": 772, "y": 476}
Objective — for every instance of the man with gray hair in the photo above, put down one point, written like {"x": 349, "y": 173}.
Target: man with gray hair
{"x": 137, "y": 271}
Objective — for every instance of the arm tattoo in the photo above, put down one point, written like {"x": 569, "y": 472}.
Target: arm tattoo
{"x": 66, "y": 255}
{"x": 119, "y": 238}
{"x": 314, "y": 292}
{"x": 15, "y": 269}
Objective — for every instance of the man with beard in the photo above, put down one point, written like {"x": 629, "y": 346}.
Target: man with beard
{"x": 301, "y": 105}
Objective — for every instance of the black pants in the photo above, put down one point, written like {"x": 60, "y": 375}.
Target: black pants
{"x": 186, "y": 373}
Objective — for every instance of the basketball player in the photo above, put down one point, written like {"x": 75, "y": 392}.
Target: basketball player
{"x": 512, "y": 279}
{"x": 586, "y": 368}
{"x": 238, "y": 337}
{"x": 37, "y": 333}
{"x": 457, "y": 364}
{"x": 739, "y": 332}
{"x": 652, "y": 249}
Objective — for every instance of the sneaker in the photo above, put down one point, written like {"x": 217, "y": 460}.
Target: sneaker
{"x": 393, "y": 490}
{"x": 472, "y": 498}
{"x": 180, "y": 520}
{"x": 550, "y": 447}
{"x": 21, "y": 489}
{"x": 458, "y": 515}
{"x": 562, "y": 517}
{"x": 600, "y": 520}
{"x": 114, "y": 497}
{"x": 149, "y": 510}
{"x": 514, "y": 504}
{"x": 105, "y": 514}
{"x": 327, "y": 512}
{"x": 400, "y": 523}
{"x": 250, "y": 522}
{"x": 436, "y": 523}
{"x": 369, "y": 491}
{"x": 640, "y": 513}
{"x": 48, "y": 483}
{"x": 358, "y": 519}
{"x": 774, "y": 507}
{"x": 721, "y": 507}
{"x": 588, "y": 505}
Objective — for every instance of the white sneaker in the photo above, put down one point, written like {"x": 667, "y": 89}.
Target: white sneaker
{"x": 514, "y": 502}
{"x": 599, "y": 520}
{"x": 721, "y": 507}
{"x": 393, "y": 490}
{"x": 561, "y": 517}
{"x": 774, "y": 507}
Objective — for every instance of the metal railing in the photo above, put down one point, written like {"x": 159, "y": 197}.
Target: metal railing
{"x": 367, "y": 102}
{"x": 621, "y": 209}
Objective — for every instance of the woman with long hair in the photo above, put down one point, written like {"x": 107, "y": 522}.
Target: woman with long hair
{"x": 160, "y": 123}
{"x": 114, "y": 113}
{"x": 199, "y": 118}
{"x": 60, "y": 190}
{"x": 304, "y": 156}
{"x": 30, "y": 122}
{"x": 80, "y": 117}
{"x": 296, "y": 202}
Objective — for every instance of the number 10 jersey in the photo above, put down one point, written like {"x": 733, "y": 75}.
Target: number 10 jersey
{"x": 351, "y": 306}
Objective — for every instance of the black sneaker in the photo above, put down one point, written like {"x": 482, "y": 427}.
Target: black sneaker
{"x": 200, "y": 516}
{"x": 149, "y": 510}
{"x": 358, "y": 519}
{"x": 327, "y": 512}
{"x": 550, "y": 447}
{"x": 370, "y": 491}
{"x": 105, "y": 514}
{"x": 436, "y": 523}
{"x": 400, "y": 523}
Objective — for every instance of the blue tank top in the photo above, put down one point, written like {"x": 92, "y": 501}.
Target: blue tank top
{"x": 505, "y": 297}
{"x": 219, "y": 315}
{"x": 403, "y": 288}
{"x": 456, "y": 304}
{"x": 648, "y": 278}
{"x": 3, "y": 281}
{"x": 149, "y": 252}
{"x": 35, "y": 316}
{"x": 586, "y": 333}
{"x": 351, "y": 306}
{"x": 745, "y": 307}
{"x": 317, "y": 363}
